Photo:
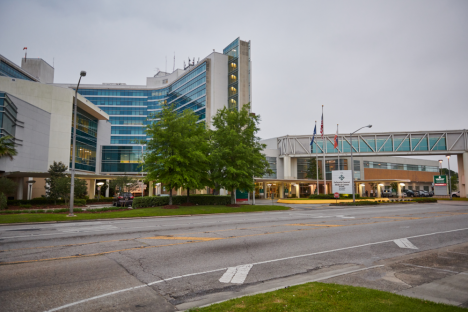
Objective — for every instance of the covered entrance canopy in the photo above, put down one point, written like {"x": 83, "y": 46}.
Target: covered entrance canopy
{"x": 281, "y": 188}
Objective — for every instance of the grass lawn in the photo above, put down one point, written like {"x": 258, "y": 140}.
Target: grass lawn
{"x": 143, "y": 212}
{"x": 327, "y": 297}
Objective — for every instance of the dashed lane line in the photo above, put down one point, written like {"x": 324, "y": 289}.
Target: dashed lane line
{"x": 256, "y": 263}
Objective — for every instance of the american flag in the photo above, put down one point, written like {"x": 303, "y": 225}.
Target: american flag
{"x": 321, "y": 126}
{"x": 335, "y": 145}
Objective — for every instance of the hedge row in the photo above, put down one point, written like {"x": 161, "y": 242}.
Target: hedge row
{"x": 332, "y": 196}
{"x": 154, "y": 201}
{"x": 425, "y": 200}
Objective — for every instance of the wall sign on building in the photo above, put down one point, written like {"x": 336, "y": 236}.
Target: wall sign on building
{"x": 342, "y": 181}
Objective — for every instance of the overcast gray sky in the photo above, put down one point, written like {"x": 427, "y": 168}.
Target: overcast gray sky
{"x": 399, "y": 65}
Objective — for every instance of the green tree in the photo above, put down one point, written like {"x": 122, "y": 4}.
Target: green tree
{"x": 394, "y": 186}
{"x": 7, "y": 147}
{"x": 124, "y": 183}
{"x": 236, "y": 152}
{"x": 63, "y": 185}
{"x": 177, "y": 153}
{"x": 453, "y": 178}
{"x": 7, "y": 187}
{"x": 311, "y": 171}
{"x": 56, "y": 170}
{"x": 373, "y": 186}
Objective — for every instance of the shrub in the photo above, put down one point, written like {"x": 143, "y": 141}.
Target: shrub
{"x": 293, "y": 195}
{"x": 25, "y": 206}
{"x": 3, "y": 201}
{"x": 425, "y": 200}
{"x": 80, "y": 202}
{"x": 154, "y": 201}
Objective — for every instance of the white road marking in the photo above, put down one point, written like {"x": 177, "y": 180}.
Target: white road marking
{"x": 262, "y": 262}
{"x": 404, "y": 243}
{"x": 89, "y": 229}
{"x": 236, "y": 275}
{"x": 425, "y": 267}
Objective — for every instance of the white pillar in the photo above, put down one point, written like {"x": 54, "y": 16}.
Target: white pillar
{"x": 360, "y": 189}
{"x": 378, "y": 191}
{"x": 265, "y": 195}
{"x": 297, "y": 191}
{"x": 93, "y": 188}
{"x": 399, "y": 190}
{"x": 253, "y": 197}
{"x": 30, "y": 186}
{"x": 287, "y": 167}
{"x": 108, "y": 188}
{"x": 179, "y": 191}
{"x": 463, "y": 174}
{"x": 281, "y": 190}
{"x": 19, "y": 191}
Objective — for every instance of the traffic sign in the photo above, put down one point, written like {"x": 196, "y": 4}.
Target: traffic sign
{"x": 337, "y": 195}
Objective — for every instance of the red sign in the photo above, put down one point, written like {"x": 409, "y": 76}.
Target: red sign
{"x": 337, "y": 195}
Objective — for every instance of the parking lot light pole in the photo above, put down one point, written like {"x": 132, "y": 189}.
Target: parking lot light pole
{"x": 72, "y": 185}
{"x": 440, "y": 166}
{"x": 352, "y": 162}
{"x": 449, "y": 179}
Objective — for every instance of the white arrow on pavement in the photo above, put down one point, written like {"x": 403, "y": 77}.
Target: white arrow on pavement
{"x": 236, "y": 275}
{"x": 404, "y": 243}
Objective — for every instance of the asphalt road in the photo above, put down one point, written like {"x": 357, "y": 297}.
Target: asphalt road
{"x": 173, "y": 263}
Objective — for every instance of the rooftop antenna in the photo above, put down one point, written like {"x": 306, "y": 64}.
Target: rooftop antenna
{"x": 193, "y": 61}
{"x": 198, "y": 60}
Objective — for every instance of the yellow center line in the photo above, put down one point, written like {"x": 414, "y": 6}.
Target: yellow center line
{"x": 191, "y": 240}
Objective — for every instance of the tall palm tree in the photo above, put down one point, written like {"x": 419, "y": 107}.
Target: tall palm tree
{"x": 7, "y": 147}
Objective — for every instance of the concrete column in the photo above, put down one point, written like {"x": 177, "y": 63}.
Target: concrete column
{"x": 378, "y": 191}
{"x": 108, "y": 188}
{"x": 30, "y": 186}
{"x": 281, "y": 190}
{"x": 19, "y": 190}
{"x": 287, "y": 167}
{"x": 360, "y": 189}
{"x": 93, "y": 188}
{"x": 151, "y": 188}
{"x": 463, "y": 174}
{"x": 265, "y": 195}
{"x": 399, "y": 190}
{"x": 253, "y": 197}
{"x": 179, "y": 191}
{"x": 297, "y": 191}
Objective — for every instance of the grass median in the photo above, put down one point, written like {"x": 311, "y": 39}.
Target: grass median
{"x": 327, "y": 297}
{"x": 143, "y": 212}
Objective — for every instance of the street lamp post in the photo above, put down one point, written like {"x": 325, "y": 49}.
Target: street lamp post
{"x": 449, "y": 179}
{"x": 352, "y": 162}
{"x": 99, "y": 184}
{"x": 440, "y": 166}
{"x": 72, "y": 186}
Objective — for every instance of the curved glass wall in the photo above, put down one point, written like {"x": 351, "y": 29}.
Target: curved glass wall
{"x": 131, "y": 110}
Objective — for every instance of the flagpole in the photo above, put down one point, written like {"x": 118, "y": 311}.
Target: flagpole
{"x": 337, "y": 137}
{"x": 316, "y": 162}
{"x": 324, "y": 146}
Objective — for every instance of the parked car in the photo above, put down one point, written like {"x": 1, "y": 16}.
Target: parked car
{"x": 423, "y": 193}
{"x": 409, "y": 193}
{"x": 431, "y": 193}
{"x": 124, "y": 199}
{"x": 387, "y": 193}
{"x": 403, "y": 194}
{"x": 456, "y": 194}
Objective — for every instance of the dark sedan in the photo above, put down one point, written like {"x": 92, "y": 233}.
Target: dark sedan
{"x": 124, "y": 199}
